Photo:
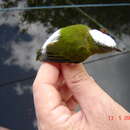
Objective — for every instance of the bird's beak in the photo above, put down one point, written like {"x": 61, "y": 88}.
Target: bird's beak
{"x": 117, "y": 49}
{"x": 120, "y": 48}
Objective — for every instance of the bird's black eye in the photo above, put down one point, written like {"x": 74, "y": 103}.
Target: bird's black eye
{"x": 113, "y": 37}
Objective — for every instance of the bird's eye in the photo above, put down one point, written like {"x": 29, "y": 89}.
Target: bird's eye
{"x": 107, "y": 33}
{"x": 112, "y": 36}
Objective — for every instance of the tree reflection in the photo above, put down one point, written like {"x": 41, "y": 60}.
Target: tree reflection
{"x": 114, "y": 18}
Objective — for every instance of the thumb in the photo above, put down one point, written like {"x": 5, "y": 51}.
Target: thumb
{"x": 84, "y": 88}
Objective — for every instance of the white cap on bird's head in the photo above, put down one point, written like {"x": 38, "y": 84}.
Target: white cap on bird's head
{"x": 105, "y": 40}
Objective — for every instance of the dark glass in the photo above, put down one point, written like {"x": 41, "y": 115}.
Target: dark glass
{"x": 23, "y": 32}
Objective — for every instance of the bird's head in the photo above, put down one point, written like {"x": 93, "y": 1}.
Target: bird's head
{"x": 104, "y": 42}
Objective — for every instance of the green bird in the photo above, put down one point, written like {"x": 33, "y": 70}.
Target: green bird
{"x": 74, "y": 44}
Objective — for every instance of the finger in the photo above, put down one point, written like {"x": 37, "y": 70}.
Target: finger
{"x": 72, "y": 104}
{"x": 67, "y": 97}
{"x": 65, "y": 93}
{"x": 83, "y": 87}
{"x": 48, "y": 73}
{"x": 47, "y": 100}
{"x": 59, "y": 82}
{"x": 63, "y": 89}
{"x": 48, "y": 104}
{"x": 3, "y": 128}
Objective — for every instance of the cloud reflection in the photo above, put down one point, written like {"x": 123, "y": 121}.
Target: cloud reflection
{"x": 24, "y": 53}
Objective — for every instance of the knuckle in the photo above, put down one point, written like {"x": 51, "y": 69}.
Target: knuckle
{"x": 77, "y": 79}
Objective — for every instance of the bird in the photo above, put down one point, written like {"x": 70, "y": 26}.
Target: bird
{"x": 75, "y": 43}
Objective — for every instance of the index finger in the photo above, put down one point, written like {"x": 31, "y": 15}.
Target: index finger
{"x": 48, "y": 74}
{"x": 47, "y": 99}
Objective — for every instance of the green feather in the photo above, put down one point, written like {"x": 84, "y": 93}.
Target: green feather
{"x": 74, "y": 45}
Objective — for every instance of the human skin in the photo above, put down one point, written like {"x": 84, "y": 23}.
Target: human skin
{"x": 59, "y": 88}
{"x": 3, "y": 128}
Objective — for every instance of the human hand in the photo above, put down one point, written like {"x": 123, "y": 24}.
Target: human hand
{"x": 3, "y": 128}
{"x": 57, "y": 90}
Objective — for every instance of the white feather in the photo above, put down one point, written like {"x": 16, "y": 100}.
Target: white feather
{"x": 102, "y": 39}
{"x": 52, "y": 39}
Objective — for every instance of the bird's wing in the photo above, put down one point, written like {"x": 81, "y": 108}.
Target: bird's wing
{"x": 53, "y": 54}
{"x": 53, "y": 57}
